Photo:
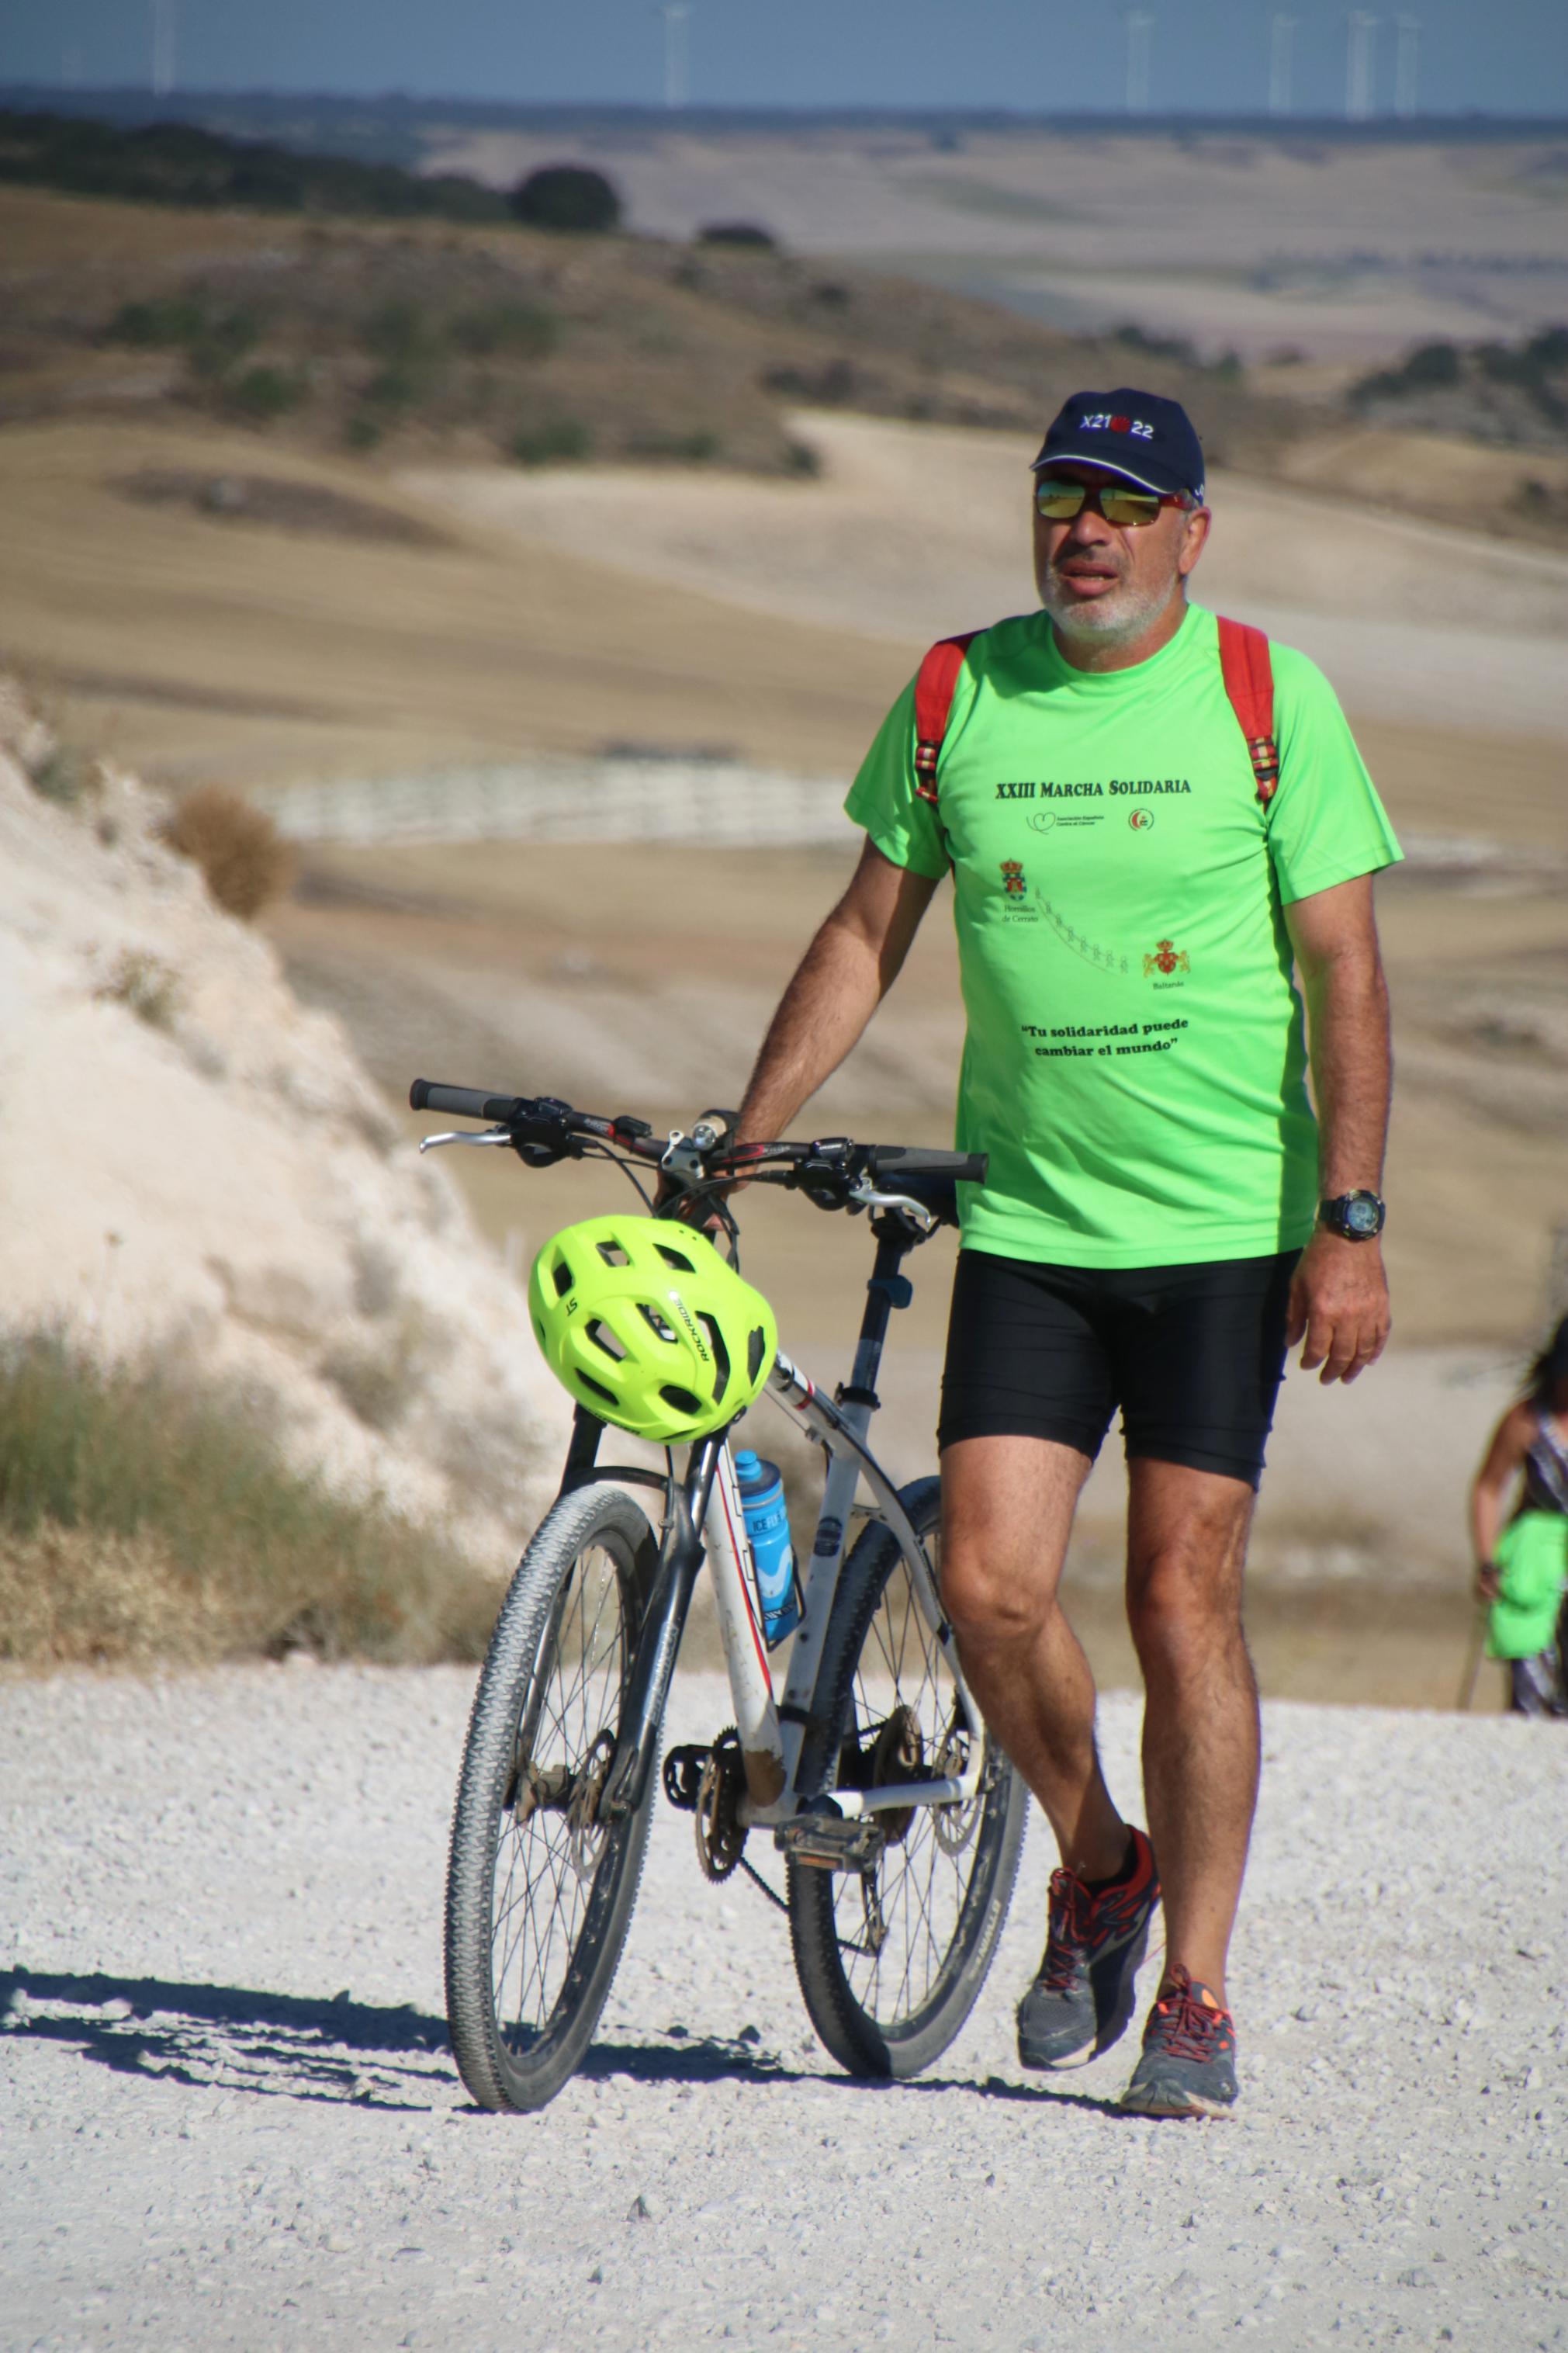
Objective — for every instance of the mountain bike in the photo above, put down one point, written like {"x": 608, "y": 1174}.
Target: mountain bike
{"x": 899, "y": 1820}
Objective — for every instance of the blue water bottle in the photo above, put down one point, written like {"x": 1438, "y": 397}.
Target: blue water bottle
{"x": 767, "y": 1525}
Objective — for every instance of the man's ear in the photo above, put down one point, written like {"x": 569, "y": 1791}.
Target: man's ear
{"x": 1195, "y": 538}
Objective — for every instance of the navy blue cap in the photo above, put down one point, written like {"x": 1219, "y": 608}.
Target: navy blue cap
{"x": 1149, "y": 440}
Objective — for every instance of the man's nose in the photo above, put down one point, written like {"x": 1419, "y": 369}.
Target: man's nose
{"x": 1089, "y": 527}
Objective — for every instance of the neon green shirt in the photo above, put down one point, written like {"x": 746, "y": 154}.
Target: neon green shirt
{"x": 1135, "y": 1063}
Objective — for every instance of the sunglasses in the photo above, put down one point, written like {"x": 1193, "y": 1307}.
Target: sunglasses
{"x": 1117, "y": 503}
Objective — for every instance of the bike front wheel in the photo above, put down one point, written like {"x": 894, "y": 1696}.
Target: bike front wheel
{"x": 891, "y": 1959}
{"x": 539, "y": 1890}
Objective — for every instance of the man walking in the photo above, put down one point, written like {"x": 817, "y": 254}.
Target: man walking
{"x": 1162, "y": 1215}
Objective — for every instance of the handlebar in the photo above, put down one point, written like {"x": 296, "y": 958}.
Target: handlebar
{"x": 833, "y": 1172}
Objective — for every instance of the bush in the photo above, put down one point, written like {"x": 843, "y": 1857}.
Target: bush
{"x": 516, "y": 330}
{"x": 698, "y": 448}
{"x": 572, "y": 197}
{"x": 243, "y": 858}
{"x": 158, "y": 326}
{"x": 553, "y": 441}
{"x": 748, "y": 232}
{"x": 262, "y": 394}
{"x": 146, "y": 986}
{"x": 403, "y": 332}
{"x": 142, "y": 1514}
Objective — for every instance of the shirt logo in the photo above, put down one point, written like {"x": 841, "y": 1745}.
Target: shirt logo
{"x": 1013, "y": 878}
{"x": 1140, "y": 820}
{"x": 1167, "y": 959}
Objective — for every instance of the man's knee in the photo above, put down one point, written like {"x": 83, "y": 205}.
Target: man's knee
{"x": 990, "y": 1591}
{"x": 1184, "y": 1605}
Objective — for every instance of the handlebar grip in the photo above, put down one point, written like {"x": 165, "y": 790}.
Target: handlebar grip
{"x": 894, "y": 1160}
{"x": 462, "y": 1103}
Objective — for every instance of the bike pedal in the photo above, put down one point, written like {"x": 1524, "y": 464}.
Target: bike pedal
{"x": 683, "y": 1772}
{"x": 829, "y": 1842}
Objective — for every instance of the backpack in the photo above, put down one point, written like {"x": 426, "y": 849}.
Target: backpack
{"x": 1249, "y": 682}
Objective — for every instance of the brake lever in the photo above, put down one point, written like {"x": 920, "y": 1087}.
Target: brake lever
{"x": 466, "y": 1135}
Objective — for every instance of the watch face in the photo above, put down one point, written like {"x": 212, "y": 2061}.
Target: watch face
{"x": 1363, "y": 1214}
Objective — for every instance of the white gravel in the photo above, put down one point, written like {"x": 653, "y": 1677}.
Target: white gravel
{"x": 227, "y": 2116}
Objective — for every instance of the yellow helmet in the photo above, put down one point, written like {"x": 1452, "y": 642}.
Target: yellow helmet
{"x": 641, "y": 1321}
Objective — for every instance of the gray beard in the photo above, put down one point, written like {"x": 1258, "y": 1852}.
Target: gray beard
{"x": 1113, "y": 620}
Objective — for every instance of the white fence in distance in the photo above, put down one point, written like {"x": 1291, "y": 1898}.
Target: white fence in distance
{"x": 721, "y": 802}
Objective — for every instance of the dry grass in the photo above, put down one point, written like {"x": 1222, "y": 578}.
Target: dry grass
{"x": 142, "y": 1518}
{"x": 245, "y": 862}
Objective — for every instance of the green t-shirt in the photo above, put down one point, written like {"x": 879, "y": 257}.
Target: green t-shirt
{"x": 1135, "y": 1063}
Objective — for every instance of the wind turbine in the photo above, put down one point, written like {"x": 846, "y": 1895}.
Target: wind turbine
{"x": 1283, "y": 34}
{"x": 1139, "y": 33}
{"x": 1407, "y": 57}
{"x": 1360, "y": 28}
{"x": 677, "y": 15}
{"x": 162, "y": 47}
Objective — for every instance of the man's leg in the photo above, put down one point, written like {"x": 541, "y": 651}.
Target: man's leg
{"x": 1186, "y": 1545}
{"x": 1007, "y": 1509}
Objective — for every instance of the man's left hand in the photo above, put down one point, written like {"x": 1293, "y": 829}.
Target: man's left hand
{"x": 1339, "y": 1305}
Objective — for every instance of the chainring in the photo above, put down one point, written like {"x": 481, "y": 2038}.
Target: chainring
{"x": 720, "y": 1836}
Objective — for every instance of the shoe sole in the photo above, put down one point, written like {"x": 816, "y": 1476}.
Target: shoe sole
{"x": 1137, "y": 1945}
{"x": 1193, "y": 2105}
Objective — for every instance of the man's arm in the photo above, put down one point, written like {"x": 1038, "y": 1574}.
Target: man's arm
{"x": 1339, "y": 1300}
{"x": 842, "y": 978}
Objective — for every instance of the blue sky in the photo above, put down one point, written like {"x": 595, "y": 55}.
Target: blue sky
{"x": 1509, "y": 56}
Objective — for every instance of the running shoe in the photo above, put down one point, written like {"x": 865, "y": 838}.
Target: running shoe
{"x": 1188, "y": 2066}
{"x": 1082, "y": 1998}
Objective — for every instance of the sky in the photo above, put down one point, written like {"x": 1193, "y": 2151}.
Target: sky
{"x": 1506, "y": 57}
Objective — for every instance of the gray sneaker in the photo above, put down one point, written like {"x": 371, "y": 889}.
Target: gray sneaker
{"x": 1082, "y": 1998}
{"x": 1188, "y": 2066}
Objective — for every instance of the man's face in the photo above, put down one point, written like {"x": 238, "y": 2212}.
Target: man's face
{"x": 1107, "y": 586}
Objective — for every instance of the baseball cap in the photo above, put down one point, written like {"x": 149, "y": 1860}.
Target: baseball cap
{"x": 1138, "y": 435}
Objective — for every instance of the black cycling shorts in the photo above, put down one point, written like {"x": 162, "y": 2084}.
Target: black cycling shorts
{"x": 1192, "y": 1355}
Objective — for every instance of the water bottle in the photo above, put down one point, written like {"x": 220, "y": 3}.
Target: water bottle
{"x": 767, "y": 1525}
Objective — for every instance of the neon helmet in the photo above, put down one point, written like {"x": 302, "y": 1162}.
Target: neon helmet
{"x": 641, "y": 1321}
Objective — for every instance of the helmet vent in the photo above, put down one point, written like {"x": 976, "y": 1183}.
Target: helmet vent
{"x": 755, "y": 1348}
{"x": 655, "y": 1321}
{"x": 611, "y": 1342}
{"x": 681, "y": 1399}
{"x": 675, "y": 1258}
{"x": 561, "y": 1275}
{"x": 586, "y": 1380}
{"x": 720, "y": 1356}
{"x": 612, "y": 1254}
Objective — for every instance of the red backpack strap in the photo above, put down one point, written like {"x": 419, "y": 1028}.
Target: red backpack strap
{"x": 1249, "y": 682}
{"x": 935, "y": 682}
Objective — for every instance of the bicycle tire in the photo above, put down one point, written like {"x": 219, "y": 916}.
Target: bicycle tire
{"x": 521, "y": 2017}
{"x": 949, "y": 1878}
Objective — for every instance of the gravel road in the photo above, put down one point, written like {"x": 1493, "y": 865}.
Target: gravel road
{"x": 227, "y": 2116}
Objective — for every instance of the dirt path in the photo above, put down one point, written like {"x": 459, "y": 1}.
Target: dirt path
{"x": 229, "y": 2119}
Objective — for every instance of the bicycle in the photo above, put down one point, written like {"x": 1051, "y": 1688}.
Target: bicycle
{"x": 899, "y": 1821}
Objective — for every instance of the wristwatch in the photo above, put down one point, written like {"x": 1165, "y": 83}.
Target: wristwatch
{"x": 1359, "y": 1216}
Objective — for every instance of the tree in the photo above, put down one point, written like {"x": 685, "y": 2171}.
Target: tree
{"x": 571, "y": 197}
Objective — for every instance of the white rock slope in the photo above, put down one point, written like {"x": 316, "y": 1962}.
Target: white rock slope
{"x": 192, "y": 1162}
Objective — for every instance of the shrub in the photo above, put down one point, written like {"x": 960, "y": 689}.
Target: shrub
{"x": 800, "y": 457}
{"x": 363, "y": 431}
{"x": 145, "y": 985}
{"x": 222, "y": 341}
{"x": 572, "y": 197}
{"x": 65, "y": 776}
{"x": 143, "y": 1515}
{"x": 402, "y": 332}
{"x": 262, "y": 394}
{"x": 698, "y": 448}
{"x": 243, "y": 859}
{"x": 517, "y": 330}
{"x": 553, "y": 441}
{"x": 748, "y": 232}
{"x": 158, "y": 326}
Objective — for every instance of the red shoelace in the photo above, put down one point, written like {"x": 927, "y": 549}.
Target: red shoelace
{"x": 1192, "y": 2024}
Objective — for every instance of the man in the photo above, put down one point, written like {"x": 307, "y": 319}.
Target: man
{"x": 1129, "y": 903}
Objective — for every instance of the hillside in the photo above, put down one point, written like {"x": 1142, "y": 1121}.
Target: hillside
{"x": 201, "y": 1185}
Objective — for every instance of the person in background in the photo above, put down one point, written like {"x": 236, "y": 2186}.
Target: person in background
{"x": 1531, "y": 1439}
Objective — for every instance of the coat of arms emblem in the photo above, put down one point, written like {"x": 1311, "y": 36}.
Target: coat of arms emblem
{"x": 1167, "y": 959}
{"x": 1012, "y": 877}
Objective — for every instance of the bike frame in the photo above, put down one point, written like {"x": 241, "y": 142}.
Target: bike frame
{"x": 704, "y": 1519}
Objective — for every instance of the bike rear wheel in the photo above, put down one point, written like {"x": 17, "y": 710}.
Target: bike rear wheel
{"x": 890, "y": 1960}
{"x": 539, "y": 1891}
